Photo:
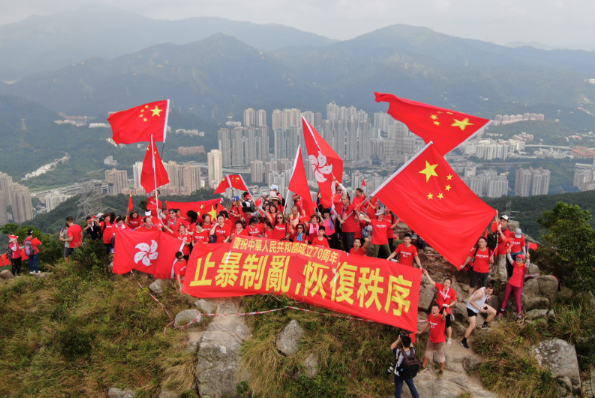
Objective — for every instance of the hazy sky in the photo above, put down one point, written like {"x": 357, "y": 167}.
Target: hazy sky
{"x": 559, "y": 23}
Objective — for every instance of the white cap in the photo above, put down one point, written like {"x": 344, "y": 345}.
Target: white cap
{"x": 504, "y": 217}
{"x": 518, "y": 233}
{"x": 147, "y": 213}
{"x": 274, "y": 188}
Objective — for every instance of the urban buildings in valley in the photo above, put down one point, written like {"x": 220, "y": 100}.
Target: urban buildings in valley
{"x": 532, "y": 182}
{"x": 215, "y": 167}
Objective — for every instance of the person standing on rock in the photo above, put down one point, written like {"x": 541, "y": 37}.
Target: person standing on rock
{"x": 407, "y": 252}
{"x": 481, "y": 258}
{"x": 32, "y": 246}
{"x": 515, "y": 284}
{"x": 446, "y": 298}
{"x": 504, "y": 236}
{"x": 380, "y": 228}
{"x": 437, "y": 324}
{"x": 476, "y": 305}
{"x": 16, "y": 258}
{"x": 401, "y": 348}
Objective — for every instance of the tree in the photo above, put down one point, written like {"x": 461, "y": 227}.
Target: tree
{"x": 570, "y": 246}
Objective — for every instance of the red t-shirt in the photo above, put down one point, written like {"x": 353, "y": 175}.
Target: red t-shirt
{"x": 144, "y": 228}
{"x": 76, "y": 232}
{"x": 256, "y": 231}
{"x": 185, "y": 238}
{"x": 360, "y": 252}
{"x": 445, "y": 296}
{"x": 34, "y": 244}
{"x": 106, "y": 229}
{"x": 201, "y": 237}
{"x": 348, "y": 215}
{"x": 407, "y": 254}
{"x": 357, "y": 200}
{"x": 437, "y": 326}
{"x": 518, "y": 275}
{"x": 173, "y": 224}
{"x": 280, "y": 231}
{"x": 270, "y": 234}
{"x": 391, "y": 219}
{"x": 482, "y": 260}
{"x": 320, "y": 243}
{"x": 380, "y": 232}
{"x": 180, "y": 269}
{"x": 221, "y": 233}
{"x": 243, "y": 232}
{"x": 15, "y": 250}
{"x": 517, "y": 244}
{"x": 134, "y": 223}
{"x": 502, "y": 243}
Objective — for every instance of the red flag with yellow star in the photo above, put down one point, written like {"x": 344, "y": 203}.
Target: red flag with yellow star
{"x": 154, "y": 174}
{"x": 433, "y": 201}
{"x": 202, "y": 208}
{"x": 139, "y": 123}
{"x": 232, "y": 181}
{"x": 447, "y": 129}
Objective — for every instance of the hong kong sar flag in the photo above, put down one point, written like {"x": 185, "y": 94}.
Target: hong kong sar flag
{"x": 150, "y": 252}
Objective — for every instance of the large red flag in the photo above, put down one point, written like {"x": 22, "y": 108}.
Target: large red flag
{"x": 204, "y": 207}
{"x": 150, "y": 252}
{"x": 154, "y": 173}
{"x": 324, "y": 161}
{"x": 139, "y": 123}
{"x": 299, "y": 183}
{"x": 232, "y": 181}
{"x": 447, "y": 129}
{"x": 433, "y": 201}
{"x": 130, "y": 204}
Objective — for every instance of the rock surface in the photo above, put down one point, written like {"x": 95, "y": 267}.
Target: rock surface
{"x": 426, "y": 298}
{"x": 288, "y": 341}
{"x": 6, "y": 274}
{"x": 451, "y": 385}
{"x": 119, "y": 393}
{"x": 535, "y": 314}
{"x": 165, "y": 393}
{"x": 206, "y": 306}
{"x": 538, "y": 289}
{"x": 183, "y": 318}
{"x": 193, "y": 341}
{"x": 218, "y": 359}
{"x": 560, "y": 358}
{"x": 311, "y": 365}
{"x": 157, "y": 286}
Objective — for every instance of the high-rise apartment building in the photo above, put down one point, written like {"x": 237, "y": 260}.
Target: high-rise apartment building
{"x": 277, "y": 119}
{"x": 531, "y": 182}
{"x": 249, "y": 117}
{"x": 3, "y": 210}
{"x": 225, "y": 146}
{"x": 522, "y": 184}
{"x": 22, "y": 208}
{"x": 137, "y": 170}
{"x": 257, "y": 171}
{"x": 261, "y": 118}
{"x": 215, "y": 165}
{"x": 117, "y": 181}
{"x": 5, "y": 187}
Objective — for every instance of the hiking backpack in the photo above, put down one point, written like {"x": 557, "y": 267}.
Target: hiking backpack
{"x": 28, "y": 247}
{"x": 493, "y": 240}
{"x": 409, "y": 365}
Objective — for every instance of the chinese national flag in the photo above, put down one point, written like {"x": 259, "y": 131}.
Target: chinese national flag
{"x": 154, "y": 173}
{"x": 233, "y": 181}
{"x": 445, "y": 128}
{"x": 533, "y": 246}
{"x": 139, "y": 123}
{"x": 324, "y": 161}
{"x": 363, "y": 182}
{"x": 130, "y": 204}
{"x": 202, "y": 208}
{"x": 299, "y": 183}
{"x": 433, "y": 201}
{"x": 152, "y": 252}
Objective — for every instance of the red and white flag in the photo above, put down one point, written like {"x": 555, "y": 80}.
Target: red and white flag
{"x": 154, "y": 173}
{"x": 138, "y": 124}
{"x": 324, "y": 161}
{"x": 232, "y": 181}
{"x": 299, "y": 183}
{"x": 149, "y": 252}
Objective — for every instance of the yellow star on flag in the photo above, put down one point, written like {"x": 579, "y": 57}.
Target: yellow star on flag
{"x": 213, "y": 213}
{"x": 145, "y": 119}
{"x": 461, "y": 123}
{"x": 429, "y": 171}
{"x": 156, "y": 111}
{"x": 437, "y": 123}
{"x": 447, "y": 188}
{"x": 434, "y": 117}
{"x": 449, "y": 177}
{"x": 430, "y": 196}
{"x": 440, "y": 196}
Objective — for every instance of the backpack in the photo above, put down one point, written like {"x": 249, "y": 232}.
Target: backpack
{"x": 492, "y": 240}
{"x": 248, "y": 206}
{"x": 409, "y": 365}
{"x": 490, "y": 252}
{"x": 28, "y": 247}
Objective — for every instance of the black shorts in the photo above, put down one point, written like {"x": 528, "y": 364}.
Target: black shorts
{"x": 447, "y": 319}
{"x": 471, "y": 313}
{"x": 480, "y": 277}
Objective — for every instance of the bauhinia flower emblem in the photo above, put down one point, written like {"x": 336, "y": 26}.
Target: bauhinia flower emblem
{"x": 321, "y": 169}
{"x": 147, "y": 253}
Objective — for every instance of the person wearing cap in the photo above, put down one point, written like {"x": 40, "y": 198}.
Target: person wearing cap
{"x": 517, "y": 245}
{"x": 504, "y": 236}
{"x": 255, "y": 229}
{"x": 34, "y": 244}
{"x": 274, "y": 194}
{"x": 515, "y": 284}
{"x": 16, "y": 258}
{"x": 380, "y": 228}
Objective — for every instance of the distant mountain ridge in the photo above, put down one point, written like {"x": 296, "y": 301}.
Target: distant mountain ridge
{"x": 40, "y": 44}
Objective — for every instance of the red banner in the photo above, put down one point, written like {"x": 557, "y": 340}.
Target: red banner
{"x": 374, "y": 289}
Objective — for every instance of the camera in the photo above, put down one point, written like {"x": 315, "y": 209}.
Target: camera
{"x": 391, "y": 369}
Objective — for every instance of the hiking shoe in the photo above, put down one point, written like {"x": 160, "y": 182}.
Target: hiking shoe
{"x": 464, "y": 344}
{"x": 31, "y": 272}
{"x": 485, "y": 326}
{"x": 37, "y": 272}
{"x": 449, "y": 342}
{"x": 440, "y": 373}
{"x": 500, "y": 316}
{"x": 423, "y": 369}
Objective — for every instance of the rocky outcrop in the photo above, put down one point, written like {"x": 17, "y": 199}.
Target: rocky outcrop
{"x": 288, "y": 341}
{"x": 119, "y": 393}
{"x": 559, "y": 357}
{"x": 218, "y": 358}
{"x": 157, "y": 286}
{"x": 311, "y": 365}
{"x": 6, "y": 274}
{"x": 206, "y": 306}
{"x": 540, "y": 292}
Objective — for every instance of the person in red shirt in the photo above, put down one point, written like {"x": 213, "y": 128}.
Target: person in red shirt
{"x": 221, "y": 230}
{"x": 504, "y": 236}
{"x": 154, "y": 204}
{"x": 347, "y": 216}
{"x": 518, "y": 245}
{"x": 281, "y": 228}
{"x": 358, "y": 199}
{"x": 180, "y": 269}
{"x": 33, "y": 243}
{"x": 172, "y": 223}
{"x": 436, "y": 323}
{"x": 134, "y": 221}
{"x": 313, "y": 228}
{"x": 157, "y": 221}
{"x": 320, "y": 240}
{"x": 294, "y": 220}
{"x": 447, "y": 297}
{"x": 298, "y": 233}
{"x": 515, "y": 284}
{"x": 106, "y": 232}
{"x": 240, "y": 230}
{"x": 337, "y": 196}
{"x": 192, "y": 218}
{"x": 186, "y": 238}
{"x": 255, "y": 229}
{"x": 16, "y": 259}
{"x": 358, "y": 249}
{"x": 200, "y": 235}
{"x": 380, "y": 228}
{"x": 269, "y": 232}
{"x": 481, "y": 257}
{"x": 75, "y": 235}
{"x": 182, "y": 219}
{"x": 407, "y": 252}
{"x": 235, "y": 211}
{"x": 206, "y": 222}
{"x": 394, "y": 220}
{"x": 147, "y": 224}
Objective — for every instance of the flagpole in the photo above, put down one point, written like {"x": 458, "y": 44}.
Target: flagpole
{"x": 154, "y": 175}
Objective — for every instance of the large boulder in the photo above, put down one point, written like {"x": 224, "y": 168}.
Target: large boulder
{"x": 426, "y": 298}
{"x": 538, "y": 289}
{"x": 206, "y": 305}
{"x": 183, "y": 318}
{"x": 218, "y": 359}
{"x": 451, "y": 385}
{"x": 6, "y": 274}
{"x": 288, "y": 341}
{"x": 311, "y": 365}
{"x": 498, "y": 269}
{"x": 559, "y": 357}
{"x": 157, "y": 286}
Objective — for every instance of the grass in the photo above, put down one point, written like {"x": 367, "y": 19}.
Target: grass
{"x": 78, "y": 333}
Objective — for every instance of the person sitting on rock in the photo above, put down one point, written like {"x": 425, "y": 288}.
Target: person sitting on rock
{"x": 446, "y": 298}
{"x": 515, "y": 284}
{"x": 476, "y": 305}
{"x": 436, "y": 323}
